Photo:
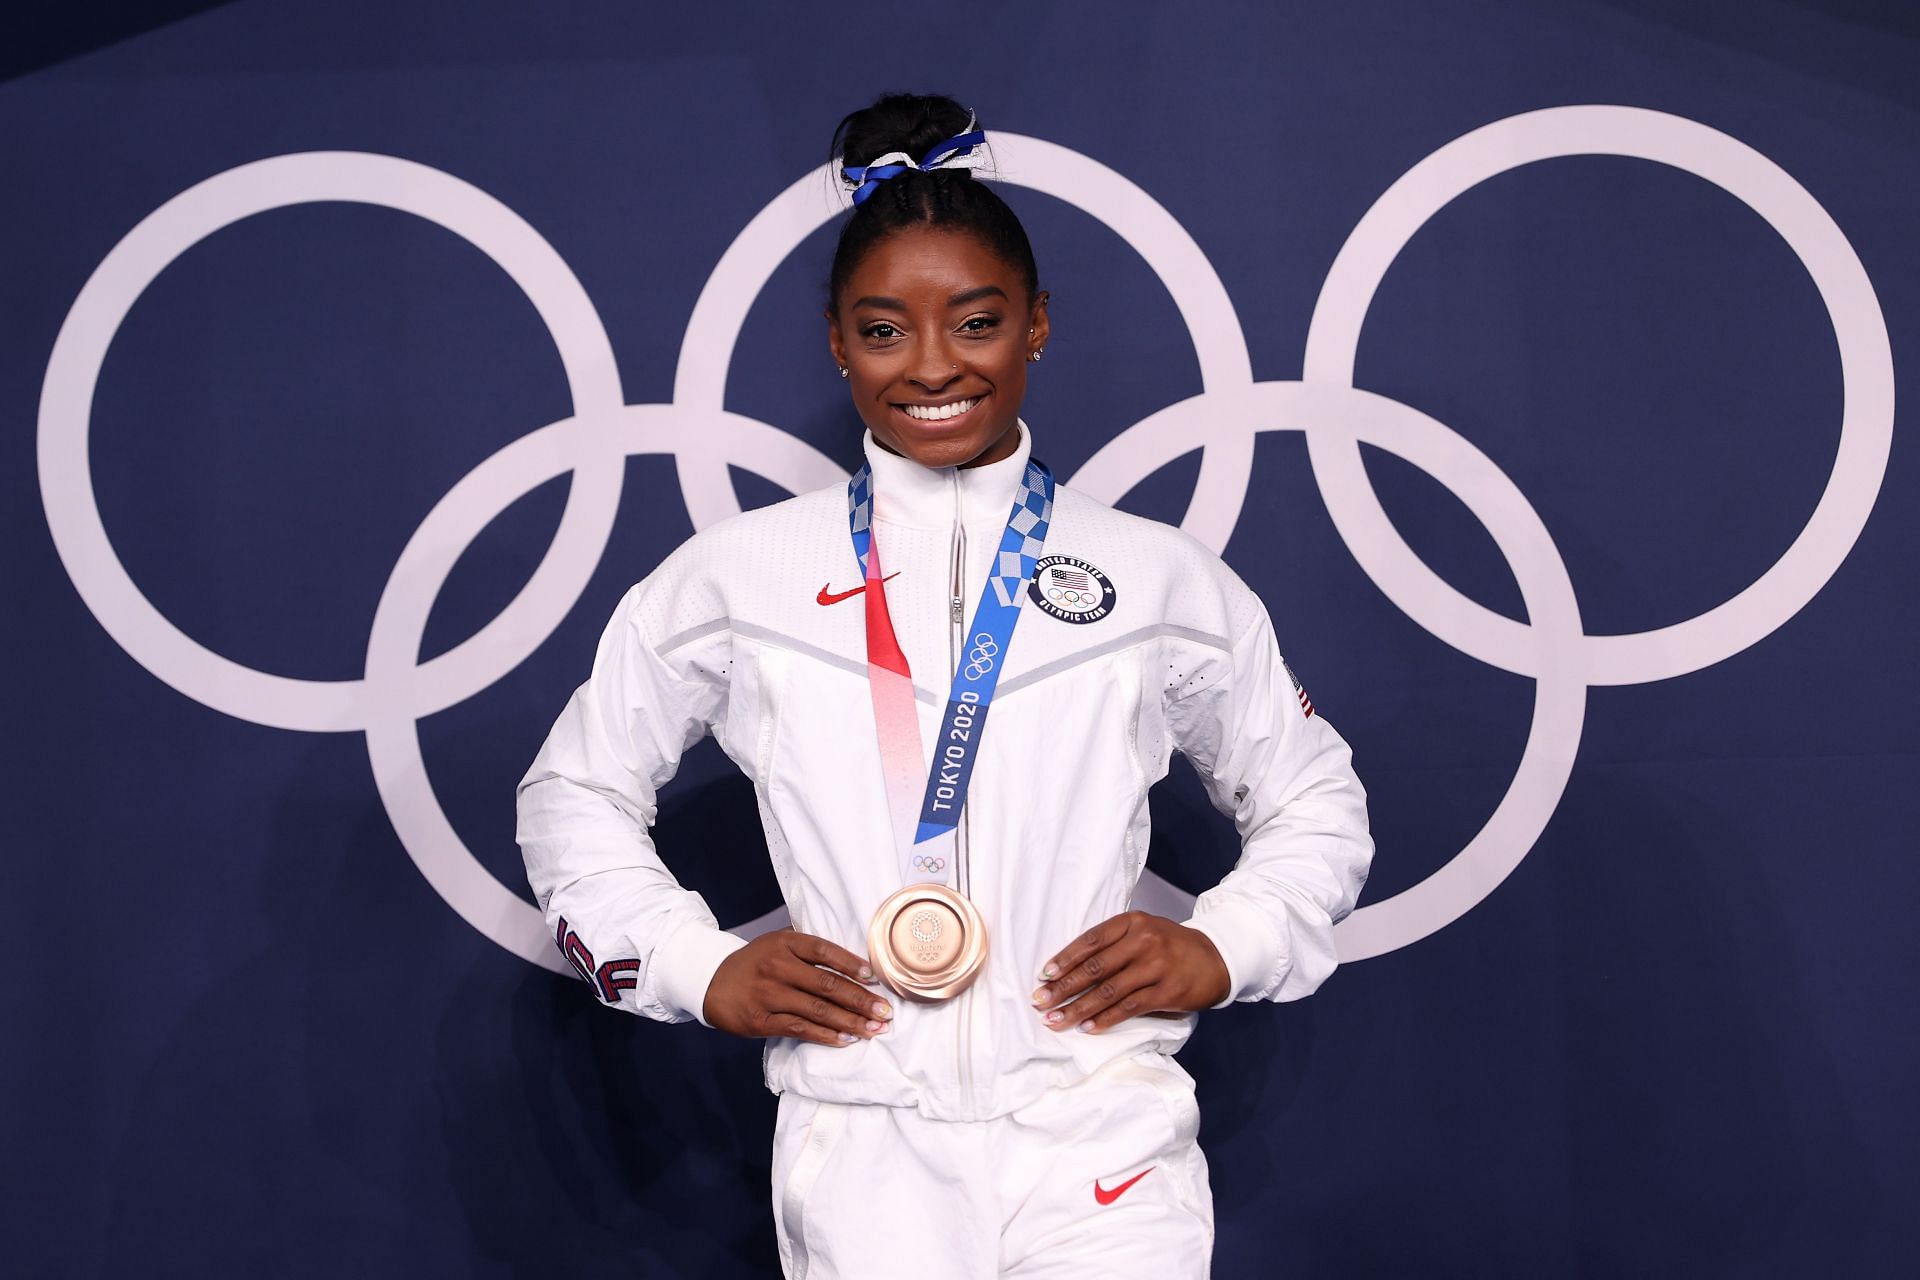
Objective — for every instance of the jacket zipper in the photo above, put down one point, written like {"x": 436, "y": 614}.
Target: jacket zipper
{"x": 956, "y": 641}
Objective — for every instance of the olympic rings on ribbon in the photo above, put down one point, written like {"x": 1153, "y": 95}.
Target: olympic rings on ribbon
{"x": 1223, "y": 420}
{"x": 929, "y": 863}
{"x": 980, "y": 658}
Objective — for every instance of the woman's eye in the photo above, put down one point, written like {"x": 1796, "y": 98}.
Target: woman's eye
{"x": 880, "y": 329}
{"x": 979, "y": 324}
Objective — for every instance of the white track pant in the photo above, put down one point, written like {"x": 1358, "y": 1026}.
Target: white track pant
{"x": 1101, "y": 1178}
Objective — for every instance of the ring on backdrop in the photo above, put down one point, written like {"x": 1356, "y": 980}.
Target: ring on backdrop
{"x": 1223, "y": 421}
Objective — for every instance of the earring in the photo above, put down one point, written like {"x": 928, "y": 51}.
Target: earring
{"x": 843, "y": 371}
{"x": 1036, "y": 353}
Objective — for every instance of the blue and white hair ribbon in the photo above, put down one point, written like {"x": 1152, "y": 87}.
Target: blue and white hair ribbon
{"x": 958, "y": 152}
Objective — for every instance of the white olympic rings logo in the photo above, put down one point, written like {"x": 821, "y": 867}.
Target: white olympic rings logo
{"x": 980, "y": 657}
{"x": 704, "y": 439}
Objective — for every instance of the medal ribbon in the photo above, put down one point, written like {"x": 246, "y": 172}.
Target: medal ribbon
{"x": 924, "y": 837}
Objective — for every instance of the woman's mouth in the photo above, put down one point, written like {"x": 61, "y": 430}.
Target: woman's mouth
{"x": 939, "y": 415}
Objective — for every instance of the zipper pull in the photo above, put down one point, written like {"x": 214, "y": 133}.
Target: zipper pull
{"x": 958, "y": 616}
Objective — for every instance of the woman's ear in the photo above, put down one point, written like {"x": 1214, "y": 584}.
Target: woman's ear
{"x": 1039, "y": 323}
{"x": 835, "y": 345}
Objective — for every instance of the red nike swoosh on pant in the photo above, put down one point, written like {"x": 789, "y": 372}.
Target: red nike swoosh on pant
{"x": 835, "y": 597}
{"x": 1104, "y": 1196}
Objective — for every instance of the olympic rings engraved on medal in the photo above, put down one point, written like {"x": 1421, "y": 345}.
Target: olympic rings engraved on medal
{"x": 1223, "y": 420}
{"x": 928, "y": 862}
{"x": 980, "y": 658}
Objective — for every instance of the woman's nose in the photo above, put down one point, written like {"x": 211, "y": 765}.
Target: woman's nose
{"x": 933, "y": 365}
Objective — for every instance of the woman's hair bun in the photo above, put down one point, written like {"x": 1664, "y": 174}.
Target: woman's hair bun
{"x": 909, "y": 122}
{"x": 909, "y": 131}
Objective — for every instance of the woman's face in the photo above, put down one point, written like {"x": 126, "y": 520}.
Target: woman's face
{"x": 934, "y": 330}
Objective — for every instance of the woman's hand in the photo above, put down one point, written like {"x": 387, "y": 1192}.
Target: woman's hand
{"x": 784, "y": 983}
{"x": 1131, "y": 964}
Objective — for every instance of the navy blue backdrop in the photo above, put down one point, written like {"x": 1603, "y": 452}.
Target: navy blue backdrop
{"x": 270, "y": 999}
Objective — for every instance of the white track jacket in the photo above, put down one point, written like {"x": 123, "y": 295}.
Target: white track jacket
{"x": 752, "y": 631}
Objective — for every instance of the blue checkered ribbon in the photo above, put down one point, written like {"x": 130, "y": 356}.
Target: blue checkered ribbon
{"x": 860, "y": 514}
{"x": 988, "y": 636}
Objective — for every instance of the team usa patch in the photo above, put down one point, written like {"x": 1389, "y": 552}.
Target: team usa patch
{"x": 1071, "y": 590}
{"x": 610, "y": 979}
{"x": 1306, "y": 703}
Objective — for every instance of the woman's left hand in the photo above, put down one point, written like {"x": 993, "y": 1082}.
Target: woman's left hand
{"x": 1134, "y": 963}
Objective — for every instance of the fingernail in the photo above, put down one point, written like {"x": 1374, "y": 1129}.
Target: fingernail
{"x": 1043, "y": 996}
{"x": 881, "y": 1009}
{"x": 876, "y": 1027}
{"x": 1055, "y": 1016}
{"x": 846, "y": 1037}
{"x": 1051, "y": 971}
{"x": 866, "y": 973}
{"x": 1087, "y": 1025}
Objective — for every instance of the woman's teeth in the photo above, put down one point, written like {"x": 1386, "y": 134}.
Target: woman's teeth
{"x": 941, "y": 412}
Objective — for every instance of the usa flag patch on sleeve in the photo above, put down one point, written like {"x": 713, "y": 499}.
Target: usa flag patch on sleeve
{"x": 1306, "y": 703}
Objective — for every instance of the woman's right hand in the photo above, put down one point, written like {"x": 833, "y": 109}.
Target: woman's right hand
{"x": 784, "y": 983}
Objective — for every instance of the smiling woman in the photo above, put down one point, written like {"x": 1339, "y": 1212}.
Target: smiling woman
{"x": 935, "y": 334}
{"x": 976, "y": 1125}
{"x": 935, "y": 310}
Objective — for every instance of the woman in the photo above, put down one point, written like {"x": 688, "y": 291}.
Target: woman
{"x": 970, "y": 1033}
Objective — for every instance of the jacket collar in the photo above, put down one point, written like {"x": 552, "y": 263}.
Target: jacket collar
{"x": 906, "y": 493}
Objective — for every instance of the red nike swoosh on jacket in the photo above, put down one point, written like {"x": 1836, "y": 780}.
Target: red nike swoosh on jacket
{"x": 1108, "y": 1197}
{"x": 827, "y": 596}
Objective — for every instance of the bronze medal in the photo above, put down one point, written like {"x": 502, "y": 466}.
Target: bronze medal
{"x": 928, "y": 942}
